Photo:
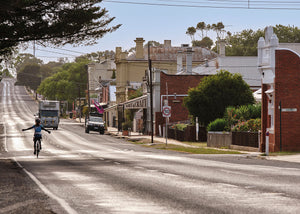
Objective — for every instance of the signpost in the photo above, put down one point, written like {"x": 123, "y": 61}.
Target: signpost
{"x": 166, "y": 112}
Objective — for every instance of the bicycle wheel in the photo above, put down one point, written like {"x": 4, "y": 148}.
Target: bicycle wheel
{"x": 37, "y": 147}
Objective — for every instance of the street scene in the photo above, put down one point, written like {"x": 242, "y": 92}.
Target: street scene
{"x": 91, "y": 173}
{"x": 133, "y": 107}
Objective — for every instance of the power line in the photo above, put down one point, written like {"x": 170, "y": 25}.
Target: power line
{"x": 71, "y": 51}
{"x": 236, "y": 1}
{"x": 54, "y": 56}
{"x": 55, "y": 52}
{"x": 246, "y": 5}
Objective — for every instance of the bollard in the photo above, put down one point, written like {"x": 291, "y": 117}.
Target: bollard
{"x": 267, "y": 143}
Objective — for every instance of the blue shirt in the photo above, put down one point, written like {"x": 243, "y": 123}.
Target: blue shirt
{"x": 37, "y": 130}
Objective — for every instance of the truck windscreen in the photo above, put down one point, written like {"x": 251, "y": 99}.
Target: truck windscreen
{"x": 49, "y": 113}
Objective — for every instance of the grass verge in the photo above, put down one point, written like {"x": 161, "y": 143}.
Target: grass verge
{"x": 200, "y": 148}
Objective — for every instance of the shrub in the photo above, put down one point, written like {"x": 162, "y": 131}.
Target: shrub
{"x": 230, "y": 116}
{"x": 252, "y": 125}
{"x": 218, "y": 124}
{"x": 180, "y": 126}
{"x": 255, "y": 111}
{"x": 242, "y": 113}
{"x": 126, "y": 125}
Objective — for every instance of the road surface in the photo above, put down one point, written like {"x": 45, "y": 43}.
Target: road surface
{"x": 92, "y": 173}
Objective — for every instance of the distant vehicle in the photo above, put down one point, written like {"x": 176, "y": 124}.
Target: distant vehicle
{"x": 94, "y": 123}
{"x": 49, "y": 113}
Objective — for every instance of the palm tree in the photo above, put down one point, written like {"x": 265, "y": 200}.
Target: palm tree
{"x": 219, "y": 28}
{"x": 208, "y": 27}
{"x": 191, "y": 32}
{"x": 201, "y": 26}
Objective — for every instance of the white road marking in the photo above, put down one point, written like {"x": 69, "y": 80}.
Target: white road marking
{"x": 62, "y": 202}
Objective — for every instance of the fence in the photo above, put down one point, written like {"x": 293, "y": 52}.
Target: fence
{"x": 230, "y": 139}
{"x": 245, "y": 139}
{"x": 188, "y": 134}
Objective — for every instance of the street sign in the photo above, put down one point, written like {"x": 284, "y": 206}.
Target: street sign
{"x": 289, "y": 109}
{"x": 166, "y": 111}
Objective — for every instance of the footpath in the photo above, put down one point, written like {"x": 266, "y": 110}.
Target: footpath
{"x": 134, "y": 136}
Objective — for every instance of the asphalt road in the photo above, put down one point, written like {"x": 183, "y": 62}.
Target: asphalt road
{"x": 92, "y": 173}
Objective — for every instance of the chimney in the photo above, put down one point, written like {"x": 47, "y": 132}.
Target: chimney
{"x": 139, "y": 48}
{"x": 123, "y": 55}
{"x": 167, "y": 44}
{"x": 118, "y": 53}
{"x": 222, "y": 47}
{"x": 179, "y": 61}
{"x": 206, "y": 62}
{"x": 189, "y": 60}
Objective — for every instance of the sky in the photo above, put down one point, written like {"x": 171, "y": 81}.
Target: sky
{"x": 153, "y": 20}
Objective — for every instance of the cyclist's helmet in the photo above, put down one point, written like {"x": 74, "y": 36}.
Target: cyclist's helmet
{"x": 37, "y": 121}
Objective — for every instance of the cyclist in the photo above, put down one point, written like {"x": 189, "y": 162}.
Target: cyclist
{"x": 37, "y": 132}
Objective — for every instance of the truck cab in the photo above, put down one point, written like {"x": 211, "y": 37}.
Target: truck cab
{"x": 49, "y": 113}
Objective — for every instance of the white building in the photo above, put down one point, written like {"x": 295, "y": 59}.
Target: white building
{"x": 99, "y": 72}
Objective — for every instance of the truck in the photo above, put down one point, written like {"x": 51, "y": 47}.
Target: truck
{"x": 49, "y": 113}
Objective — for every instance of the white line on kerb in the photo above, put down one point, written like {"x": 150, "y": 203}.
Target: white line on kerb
{"x": 61, "y": 201}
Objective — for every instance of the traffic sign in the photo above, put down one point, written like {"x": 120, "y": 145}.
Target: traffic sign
{"x": 166, "y": 111}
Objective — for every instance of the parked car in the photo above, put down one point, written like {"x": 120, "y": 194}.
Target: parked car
{"x": 94, "y": 124}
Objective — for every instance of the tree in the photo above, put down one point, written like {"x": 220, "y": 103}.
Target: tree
{"x": 287, "y": 34}
{"x": 201, "y": 26}
{"x": 191, "y": 32}
{"x": 65, "y": 84}
{"x": 207, "y": 28}
{"x": 5, "y": 73}
{"x": 29, "y": 76}
{"x": 243, "y": 43}
{"x": 218, "y": 28}
{"x": 206, "y": 42}
{"x": 210, "y": 98}
{"x": 55, "y": 22}
{"x": 153, "y": 44}
{"x": 96, "y": 56}
{"x": 24, "y": 59}
{"x": 135, "y": 93}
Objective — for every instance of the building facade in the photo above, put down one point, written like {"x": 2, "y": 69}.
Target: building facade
{"x": 280, "y": 74}
{"x": 99, "y": 72}
{"x": 131, "y": 68}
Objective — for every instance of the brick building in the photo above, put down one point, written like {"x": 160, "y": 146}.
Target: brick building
{"x": 280, "y": 69}
{"x": 176, "y": 87}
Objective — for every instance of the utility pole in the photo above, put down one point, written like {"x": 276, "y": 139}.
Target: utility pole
{"x": 79, "y": 106}
{"x": 88, "y": 87}
{"x": 151, "y": 92}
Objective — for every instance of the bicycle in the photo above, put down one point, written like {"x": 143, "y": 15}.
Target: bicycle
{"x": 37, "y": 136}
{"x": 38, "y": 147}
